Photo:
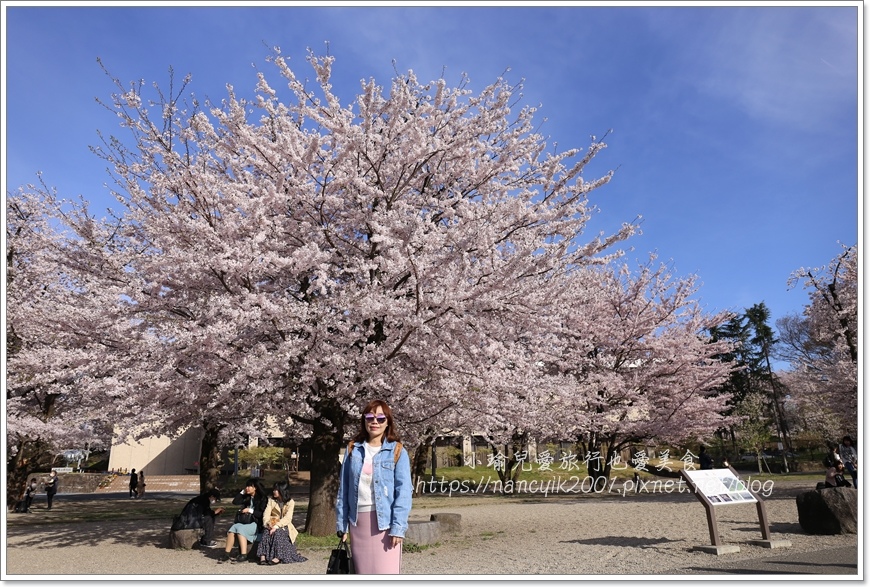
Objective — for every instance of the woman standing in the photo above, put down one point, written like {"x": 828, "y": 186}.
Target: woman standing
{"x": 374, "y": 493}
{"x": 140, "y": 485}
{"x": 51, "y": 487}
{"x": 279, "y": 533}
{"x": 248, "y": 523}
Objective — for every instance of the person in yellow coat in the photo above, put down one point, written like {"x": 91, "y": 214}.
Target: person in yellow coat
{"x": 279, "y": 534}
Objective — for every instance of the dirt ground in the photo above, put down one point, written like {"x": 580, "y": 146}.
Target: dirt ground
{"x": 109, "y": 537}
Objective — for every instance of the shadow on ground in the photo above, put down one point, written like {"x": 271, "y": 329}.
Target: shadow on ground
{"x": 632, "y": 541}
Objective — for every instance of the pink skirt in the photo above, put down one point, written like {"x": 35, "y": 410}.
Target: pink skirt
{"x": 372, "y": 550}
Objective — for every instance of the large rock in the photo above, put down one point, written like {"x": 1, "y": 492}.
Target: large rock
{"x": 833, "y": 510}
{"x": 448, "y": 522}
{"x": 423, "y": 532}
{"x": 184, "y": 539}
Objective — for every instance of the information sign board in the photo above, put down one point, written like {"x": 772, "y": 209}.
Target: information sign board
{"x": 720, "y": 486}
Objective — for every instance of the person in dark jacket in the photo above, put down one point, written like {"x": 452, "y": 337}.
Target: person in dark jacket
{"x": 134, "y": 481}
{"x": 29, "y": 493}
{"x": 705, "y": 458}
{"x": 51, "y": 487}
{"x": 197, "y": 513}
{"x": 246, "y": 527}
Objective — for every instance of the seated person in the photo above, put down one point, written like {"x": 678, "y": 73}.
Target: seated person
{"x": 279, "y": 534}
{"x": 198, "y": 514}
{"x": 249, "y": 521}
{"x": 834, "y": 476}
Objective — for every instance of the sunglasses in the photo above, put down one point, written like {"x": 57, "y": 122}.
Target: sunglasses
{"x": 371, "y": 417}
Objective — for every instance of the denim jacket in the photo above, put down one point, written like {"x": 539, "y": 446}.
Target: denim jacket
{"x": 392, "y": 489}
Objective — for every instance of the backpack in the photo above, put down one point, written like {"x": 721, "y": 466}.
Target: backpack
{"x": 396, "y": 453}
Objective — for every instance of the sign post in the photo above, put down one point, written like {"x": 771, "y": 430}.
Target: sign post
{"x": 716, "y": 488}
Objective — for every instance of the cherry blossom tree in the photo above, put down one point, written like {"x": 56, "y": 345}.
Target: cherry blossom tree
{"x": 309, "y": 256}
{"x": 641, "y": 363}
{"x": 611, "y": 356}
{"x": 822, "y": 345}
{"x": 46, "y": 411}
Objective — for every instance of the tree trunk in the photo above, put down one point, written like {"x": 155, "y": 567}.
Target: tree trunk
{"x": 598, "y": 468}
{"x": 327, "y": 439}
{"x": 30, "y": 458}
{"x": 420, "y": 460}
{"x": 508, "y": 466}
{"x": 16, "y": 477}
{"x": 209, "y": 457}
{"x": 434, "y": 456}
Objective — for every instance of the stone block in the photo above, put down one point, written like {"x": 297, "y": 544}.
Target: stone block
{"x": 833, "y": 510}
{"x": 718, "y": 550}
{"x": 184, "y": 539}
{"x": 423, "y": 532}
{"x": 771, "y": 543}
{"x": 449, "y": 522}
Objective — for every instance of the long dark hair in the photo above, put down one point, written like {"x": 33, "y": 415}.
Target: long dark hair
{"x": 260, "y": 496}
{"x": 283, "y": 489}
{"x": 390, "y": 434}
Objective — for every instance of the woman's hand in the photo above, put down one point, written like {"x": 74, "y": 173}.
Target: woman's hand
{"x": 397, "y": 541}
{"x": 343, "y": 536}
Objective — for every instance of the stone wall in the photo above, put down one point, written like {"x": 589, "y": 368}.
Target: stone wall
{"x": 73, "y": 482}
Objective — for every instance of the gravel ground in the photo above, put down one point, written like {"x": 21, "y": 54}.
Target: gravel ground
{"x": 578, "y": 535}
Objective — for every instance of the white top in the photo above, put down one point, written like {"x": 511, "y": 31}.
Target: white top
{"x": 848, "y": 454}
{"x": 366, "y": 500}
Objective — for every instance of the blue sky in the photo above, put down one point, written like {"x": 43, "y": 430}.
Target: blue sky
{"x": 735, "y": 129}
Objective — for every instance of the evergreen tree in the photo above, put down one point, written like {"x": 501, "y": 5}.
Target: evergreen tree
{"x": 753, "y": 341}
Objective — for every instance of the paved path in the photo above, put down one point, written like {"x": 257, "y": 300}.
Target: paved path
{"x": 835, "y": 561}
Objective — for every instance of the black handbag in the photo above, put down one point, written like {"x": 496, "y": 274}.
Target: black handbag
{"x": 244, "y": 517}
{"x": 340, "y": 561}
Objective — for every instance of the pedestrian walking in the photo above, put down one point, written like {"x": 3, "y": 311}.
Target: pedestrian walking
{"x": 140, "y": 484}
{"x": 134, "y": 482}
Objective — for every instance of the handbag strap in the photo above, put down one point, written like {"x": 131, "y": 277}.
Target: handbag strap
{"x": 344, "y": 545}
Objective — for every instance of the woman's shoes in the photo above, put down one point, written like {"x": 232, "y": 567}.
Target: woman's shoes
{"x": 225, "y": 557}
{"x": 274, "y": 562}
{"x": 262, "y": 562}
{"x": 242, "y": 558}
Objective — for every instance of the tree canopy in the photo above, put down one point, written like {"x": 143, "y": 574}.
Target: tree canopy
{"x": 421, "y": 245}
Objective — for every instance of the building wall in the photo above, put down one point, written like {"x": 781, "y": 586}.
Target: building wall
{"x": 159, "y": 455}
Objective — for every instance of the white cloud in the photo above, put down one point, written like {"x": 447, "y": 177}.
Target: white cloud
{"x": 795, "y": 67}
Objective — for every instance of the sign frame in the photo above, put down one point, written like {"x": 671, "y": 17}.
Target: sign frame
{"x": 710, "y": 506}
